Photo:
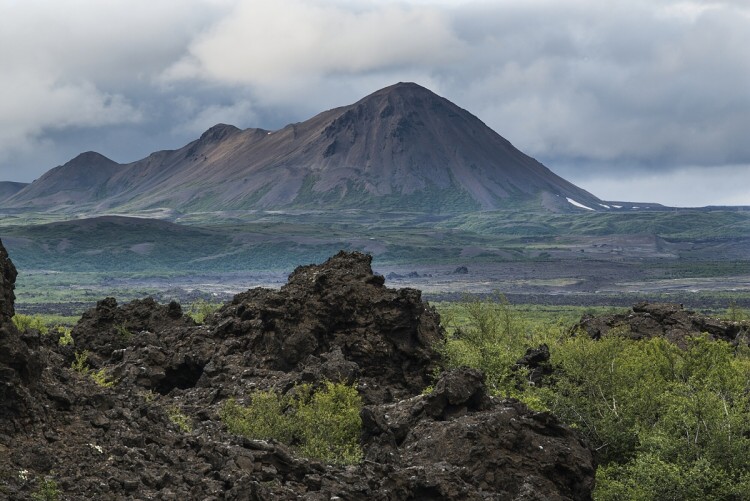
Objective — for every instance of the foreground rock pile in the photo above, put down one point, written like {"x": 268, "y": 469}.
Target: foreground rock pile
{"x": 336, "y": 321}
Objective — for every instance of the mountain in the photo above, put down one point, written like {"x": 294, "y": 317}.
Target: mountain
{"x": 77, "y": 182}
{"x": 9, "y": 188}
{"x": 401, "y": 148}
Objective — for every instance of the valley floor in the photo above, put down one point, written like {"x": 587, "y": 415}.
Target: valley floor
{"x": 574, "y": 283}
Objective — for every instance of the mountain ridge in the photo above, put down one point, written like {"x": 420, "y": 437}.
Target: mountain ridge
{"x": 401, "y": 147}
{"x": 10, "y": 188}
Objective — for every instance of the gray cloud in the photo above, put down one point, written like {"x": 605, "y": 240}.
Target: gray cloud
{"x": 602, "y": 92}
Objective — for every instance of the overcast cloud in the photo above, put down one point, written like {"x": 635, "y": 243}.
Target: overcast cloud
{"x": 642, "y": 100}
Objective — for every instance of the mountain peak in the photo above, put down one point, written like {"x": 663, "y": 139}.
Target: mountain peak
{"x": 405, "y": 87}
{"x": 402, "y": 93}
{"x": 218, "y": 132}
{"x": 88, "y": 158}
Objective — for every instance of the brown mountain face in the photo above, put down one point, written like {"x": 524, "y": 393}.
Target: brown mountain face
{"x": 402, "y": 147}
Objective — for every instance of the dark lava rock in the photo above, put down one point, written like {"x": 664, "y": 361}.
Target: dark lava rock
{"x": 537, "y": 362}
{"x": 340, "y": 305}
{"x": 668, "y": 320}
{"x": 109, "y": 327}
{"x": 7, "y": 284}
{"x": 457, "y": 443}
{"x": 461, "y": 270}
{"x": 20, "y": 361}
{"x": 156, "y": 433}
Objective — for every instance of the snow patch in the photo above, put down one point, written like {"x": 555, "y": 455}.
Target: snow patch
{"x": 577, "y": 204}
{"x": 605, "y": 206}
{"x": 617, "y": 206}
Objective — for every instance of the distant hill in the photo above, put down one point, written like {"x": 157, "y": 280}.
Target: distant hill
{"x": 400, "y": 148}
{"x": 9, "y": 188}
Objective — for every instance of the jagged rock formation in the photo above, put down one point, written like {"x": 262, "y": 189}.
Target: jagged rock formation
{"x": 668, "y": 320}
{"x": 108, "y": 327}
{"x": 8, "y": 275}
{"x": 20, "y": 362}
{"x": 386, "y": 334}
{"x": 336, "y": 321}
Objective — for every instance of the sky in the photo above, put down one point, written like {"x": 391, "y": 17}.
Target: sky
{"x": 637, "y": 100}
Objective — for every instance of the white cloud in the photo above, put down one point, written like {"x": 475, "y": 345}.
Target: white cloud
{"x": 80, "y": 64}
{"x": 40, "y": 103}
{"x": 612, "y": 81}
{"x": 291, "y": 43}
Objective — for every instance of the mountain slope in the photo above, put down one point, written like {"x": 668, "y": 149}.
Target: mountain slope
{"x": 9, "y": 188}
{"x": 402, "y": 147}
{"x": 80, "y": 181}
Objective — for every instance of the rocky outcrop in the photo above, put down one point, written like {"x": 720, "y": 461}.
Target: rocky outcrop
{"x": 156, "y": 433}
{"x": 7, "y": 284}
{"x": 669, "y": 320}
{"x": 20, "y": 362}
{"x": 339, "y": 307}
{"x": 536, "y": 363}
{"x": 107, "y": 327}
{"x": 457, "y": 443}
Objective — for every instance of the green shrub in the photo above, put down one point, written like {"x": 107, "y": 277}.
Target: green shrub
{"x": 329, "y": 424}
{"x": 322, "y": 425}
{"x": 25, "y": 322}
{"x": 648, "y": 477}
{"x": 489, "y": 335}
{"x": 123, "y": 332}
{"x": 201, "y": 309}
{"x": 180, "y": 419}
{"x": 263, "y": 419}
{"x": 735, "y": 313}
{"x": 665, "y": 422}
{"x": 46, "y": 491}
{"x": 65, "y": 338}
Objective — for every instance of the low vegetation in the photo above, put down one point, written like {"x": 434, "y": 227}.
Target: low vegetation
{"x": 81, "y": 365}
{"x": 46, "y": 491}
{"x": 180, "y": 419}
{"x": 666, "y": 422}
{"x": 201, "y": 309}
{"x": 45, "y": 325}
{"x": 323, "y": 424}
{"x": 24, "y": 323}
